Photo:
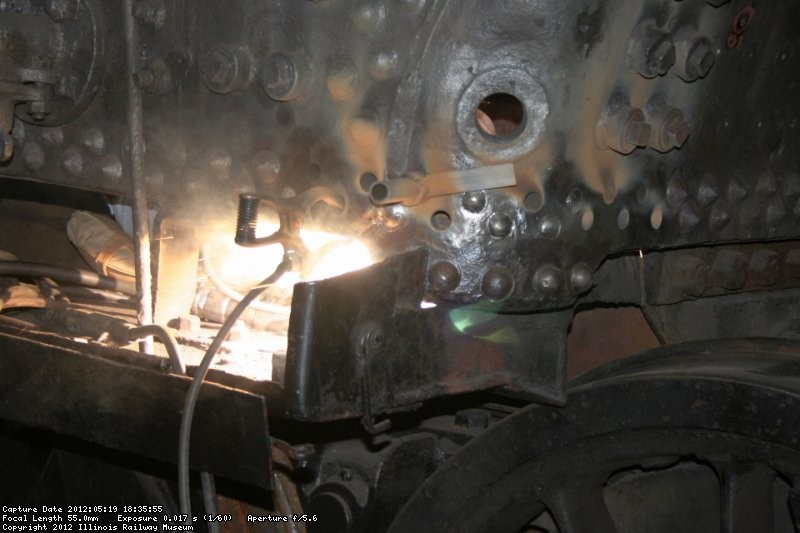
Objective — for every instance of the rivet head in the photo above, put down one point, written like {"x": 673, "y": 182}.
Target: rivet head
{"x": 766, "y": 185}
{"x": 94, "y": 141}
{"x": 444, "y": 276}
{"x": 688, "y": 219}
{"x": 500, "y": 225}
{"x": 574, "y": 201}
{"x": 267, "y": 166}
{"x": 547, "y": 280}
{"x": 719, "y": 218}
{"x": 707, "y": 191}
{"x": 676, "y": 192}
{"x": 365, "y": 129}
{"x": 776, "y": 212}
{"x": 690, "y": 274}
{"x": 111, "y": 167}
{"x": 368, "y": 17}
{"x": 33, "y": 156}
{"x": 736, "y": 191}
{"x": 791, "y": 188}
{"x": 793, "y": 263}
{"x": 765, "y": 265}
{"x": 73, "y": 161}
{"x": 342, "y": 80}
{"x": 384, "y": 64}
{"x": 580, "y": 278}
{"x": 393, "y": 216}
{"x": 729, "y": 270}
{"x": 474, "y": 201}
{"x": 219, "y": 164}
{"x": 549, "y": 226}
{"x": 497, "y": 283}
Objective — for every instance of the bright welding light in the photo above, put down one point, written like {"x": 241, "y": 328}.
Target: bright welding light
{"x": 337, "y": 257}
{"x": 331, "y": 255}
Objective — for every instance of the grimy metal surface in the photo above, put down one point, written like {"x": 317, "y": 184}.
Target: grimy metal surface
{"x": 629, "y": 125}
{"x": 515, "y": 160}
{"x": 132, "y": 408}
{"x": 725, "y": 412}
{"x": 360, "y": 345}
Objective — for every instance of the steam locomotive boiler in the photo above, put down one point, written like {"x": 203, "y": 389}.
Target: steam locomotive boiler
{"x": 400, "y": 265}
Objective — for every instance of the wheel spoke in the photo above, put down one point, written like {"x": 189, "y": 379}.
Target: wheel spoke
{"x": 580, "y": 508}
{"x": 747, "y": 492}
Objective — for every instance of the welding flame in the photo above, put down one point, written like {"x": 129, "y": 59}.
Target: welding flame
{"x": 331, "y": 255}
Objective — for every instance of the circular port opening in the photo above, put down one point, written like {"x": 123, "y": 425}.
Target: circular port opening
{"x": 378, "y": 192}
{"x": 533, "y": 201}
{"x": 500, "y": 115}
{"x": 441, "y": 220}
{"x": 366, "y": 181}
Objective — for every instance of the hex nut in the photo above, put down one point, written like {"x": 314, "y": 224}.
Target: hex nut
{"x": 651, "y": 52}
{"x": 622, "y": 127}
{"x": 227, "y": 68}
{"x": 694, "y": 54}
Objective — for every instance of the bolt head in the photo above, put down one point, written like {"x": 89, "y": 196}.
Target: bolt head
{"x": 661, "y": 56}
{"x": 700, "y": 59}
{"x": 636, "y": 132}
{"x": 675, "y": 131}
{"x": 226, "y": 69}
{"x": 281, "y": 77}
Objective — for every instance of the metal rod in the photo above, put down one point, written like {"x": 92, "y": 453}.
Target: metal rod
{"x": 141, "y": 231}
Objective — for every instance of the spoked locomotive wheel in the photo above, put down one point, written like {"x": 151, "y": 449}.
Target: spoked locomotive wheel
{"x": 702, "y": 437}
